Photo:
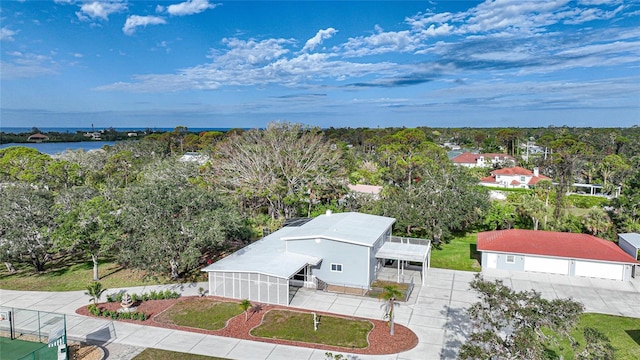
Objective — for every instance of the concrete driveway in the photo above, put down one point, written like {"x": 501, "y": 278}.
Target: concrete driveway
{"x": 436, "y": 312}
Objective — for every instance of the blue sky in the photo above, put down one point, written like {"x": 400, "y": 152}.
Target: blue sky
{"x": 201, "y": 63}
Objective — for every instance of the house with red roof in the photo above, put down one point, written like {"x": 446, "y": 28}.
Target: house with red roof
{"x": 370, "y": 190}
{"x": 513, "y": 177}
{"x": 554, "y": 253}
{"x": 468, "y": 159}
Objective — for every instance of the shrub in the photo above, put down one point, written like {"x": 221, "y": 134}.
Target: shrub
{"x": 94, "y": 310}
{"x": 153, "y": 295}
{"x": 116, "y": 315}
{"x": 587, "y": 202}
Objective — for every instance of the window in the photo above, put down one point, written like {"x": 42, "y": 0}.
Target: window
{"x": 336, "y": 267}
{"x": 522, "y": 179}
{"x": 511, "y": 259}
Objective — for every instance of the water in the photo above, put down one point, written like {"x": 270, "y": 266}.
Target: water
{"x": 73, "y": 130}
{"x": 53, "y": 148}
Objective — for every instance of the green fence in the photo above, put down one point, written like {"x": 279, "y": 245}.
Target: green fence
{"x": 31, "y": 334}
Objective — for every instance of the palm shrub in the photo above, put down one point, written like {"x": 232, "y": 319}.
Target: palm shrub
{"x": 245, "y": 305}
{"x": 95, "y": 290}
{"x": 390, "y": 294}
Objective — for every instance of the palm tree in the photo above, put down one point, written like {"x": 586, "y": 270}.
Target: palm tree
{"x": 390, "y": 294}
{"x": 597, "y": 221}
{"x": 94, "y": 290}
{"x": 245, "y": 305}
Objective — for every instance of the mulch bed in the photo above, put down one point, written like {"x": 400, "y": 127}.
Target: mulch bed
{"x": 380, "y": 341}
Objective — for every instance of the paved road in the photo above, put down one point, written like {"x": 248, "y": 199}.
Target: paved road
{"x": 435, "y": 312}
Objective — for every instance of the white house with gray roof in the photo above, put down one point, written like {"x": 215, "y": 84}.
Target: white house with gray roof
{"x": 345, "y": 249}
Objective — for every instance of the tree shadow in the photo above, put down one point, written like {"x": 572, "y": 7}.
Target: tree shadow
{"x": 634, "y": 334}
{"x": 457, "y": 328}
{"x": 474, "y": 253}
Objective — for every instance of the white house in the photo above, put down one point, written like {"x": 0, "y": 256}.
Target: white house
{"x": 201, "y": 159}
{"x": 471, "y": 160}
{"x": 344, "y": 249}
{"x": 514, "y": 177}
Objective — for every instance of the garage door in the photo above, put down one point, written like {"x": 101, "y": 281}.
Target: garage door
{"x": 546, "y": 265}
{"x": 599, "y": 270}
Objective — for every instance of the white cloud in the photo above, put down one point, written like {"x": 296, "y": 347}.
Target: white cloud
{"x": 590, "y": 14}
{"x": 381, "y": 42}
{"x": 599, "y": 2}
{"x": 256, "y": 63}
{"x": 190, "y": 7}
{"x": 516, "y": 15}
{"x": 433, "y": 31}
{"x": 6, "y": 34}
{"x": 135, "y": 21}
{"x": 507, "y": 38}
{"x": 320, "y": 36}
{"x": 26, "y": 65}
{"x": 421, "y": 21}
{"x": 250, "y": 52}
{"x": 99, "y": 9}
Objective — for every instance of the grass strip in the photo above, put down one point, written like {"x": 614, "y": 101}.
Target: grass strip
{"x": 157, "y": 354}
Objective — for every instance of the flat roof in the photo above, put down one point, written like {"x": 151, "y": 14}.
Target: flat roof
{"x": 348, "y": 227}
{"x": 403, "y": 251}
{"x": 266, "y": 256}
{"x": 631, "y": 238}
{"x": 551, "y": 243}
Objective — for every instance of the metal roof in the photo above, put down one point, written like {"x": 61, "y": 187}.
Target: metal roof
{"x": 266, "y": 256}
{"x": 349, "y": 227}
{"x": 550, "y": 243}
{"x": 269, "y": 256}
{"x": 631, "y": 238}
{"x": 403, "y": 251}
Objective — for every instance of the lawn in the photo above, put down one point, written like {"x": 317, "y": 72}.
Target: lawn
{"x": 157, "y": 354}
{"x": 200, "y": 313}
{"x": 623, "y": 332}
{"x": 459, "y": 254}
{"x": 296, "y": 326}
{"x": 68, "y": 276}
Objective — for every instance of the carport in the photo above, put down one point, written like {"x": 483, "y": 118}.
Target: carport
{"x": 407, "y": 249}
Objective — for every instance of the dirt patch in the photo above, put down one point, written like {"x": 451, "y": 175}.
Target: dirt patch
{"x": 380, "y": 341}
{"x": 85, "y": 352}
